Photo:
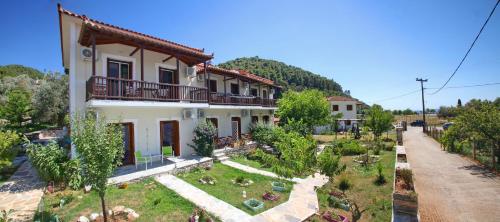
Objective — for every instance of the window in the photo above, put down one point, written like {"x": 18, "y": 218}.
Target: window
{"x": 213, "y": 85}
{"x": 265, "y": 119}
{"x": 348, "y": 122}
{"x": 119, "y": 69}
{"x": 166, "y": 76}
{"x": 335, "y": 107}
{"x": 235, "y": 89}
{"x": 253, "y": 92}
{"x": 264, "y": 94}
{"x": 349, "y": 107}
{"x": 255, "y": 119}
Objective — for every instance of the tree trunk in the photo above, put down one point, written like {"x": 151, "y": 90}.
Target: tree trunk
{"x": 104, "y": 213}
{"x": 474, "y": 150}
{"x": 493, "y": 162}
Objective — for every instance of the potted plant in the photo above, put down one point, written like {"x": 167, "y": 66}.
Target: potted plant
{"x": 253, "y": 204}
{"x": 269, "y": 195}
{"x": 333, "y": 217}
{"x": 278, "y": 186}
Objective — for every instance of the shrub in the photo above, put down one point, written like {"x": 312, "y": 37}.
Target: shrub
{"x": 348, "y": 147}
{"x": 380, "y": 177}
{"x": 264, "y": 133}
{"x": 344, "y": 184}
{"x": 8, "y": 147}
{"x": 53, "y": 164}
{"x": 407, "y": 176}
{"x": 48, "y": 161}
{"x": 204, "y": 135}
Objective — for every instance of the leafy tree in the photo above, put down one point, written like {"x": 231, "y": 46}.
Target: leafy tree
{"x": 483, "y": 120}
{"x": 329, "y": 163}
{"x": 447, "y": 112}
{"x": 99, "y": 147}
{"x": 296, "y": 155}
{"x": 8, "y": 142}
{"x": 378, "y": 120}
{"x": 16, "y": 70}
{"x": 408, "y": 112}
{"x": 459, "y": 103}
{"x": 309, "y": 106}
{"x": 17, "y": 107}
{"x": 50, "y": 100}
{"x": 204, "y": 135}
{"x": 290, "y": 77}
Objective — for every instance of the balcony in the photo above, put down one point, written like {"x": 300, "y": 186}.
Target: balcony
{"x": 107, "y": 88}
{"x": 240, "y": 100}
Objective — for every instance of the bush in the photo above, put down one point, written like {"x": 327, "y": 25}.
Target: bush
{"x": 265, "y": 134}
{"x": 8, "y": 147}
{"x": 53, "y": 164}
{"x": 347, "y": 147}
{"x": 380, "y": 177}
{"x": 407, "y": 176}
{"x": 204, "y": 135}
{"x": 344, "y": 184}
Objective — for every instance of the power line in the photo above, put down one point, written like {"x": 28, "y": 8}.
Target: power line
{"x": 468, "y": 86}
{"x": 468, "y": 51}
{"x": 399, "y": 96}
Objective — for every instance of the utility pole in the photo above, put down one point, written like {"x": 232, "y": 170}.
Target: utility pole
{"x": 423, "y": 103}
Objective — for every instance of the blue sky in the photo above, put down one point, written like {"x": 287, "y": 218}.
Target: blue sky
{"x": 376, "y": 49}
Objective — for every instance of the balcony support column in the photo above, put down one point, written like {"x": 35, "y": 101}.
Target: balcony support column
{"x": 208, "y": 81}
{"x": 93, "y": 54}
{"x": 225, "y": 91}
{"x": 142, "y": 71}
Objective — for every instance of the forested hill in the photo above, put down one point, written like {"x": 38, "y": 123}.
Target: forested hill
{"x": 287, "y": 76}
{"x": 16, "y": 70}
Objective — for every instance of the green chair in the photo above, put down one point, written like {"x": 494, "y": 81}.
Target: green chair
{"x": 139, "y": 158}
{"x": 166, "y": 152}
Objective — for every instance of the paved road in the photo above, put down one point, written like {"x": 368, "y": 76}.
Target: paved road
{"x": 450, "y": 187}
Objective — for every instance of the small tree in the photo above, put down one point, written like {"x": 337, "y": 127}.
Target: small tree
{"x": 17, "y": 107}
{"x": 308, "y": 106}
{"x": 329, "y": 164}
{"x": 204, "y": 135}
{"x": 378, "y": 120}
{"x": 99, "y": 146}
{"x": 8, "y": 142}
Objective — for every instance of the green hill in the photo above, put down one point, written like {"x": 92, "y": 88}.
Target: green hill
{"x": 16, "y": 70}
{"x": 287, "y": 76}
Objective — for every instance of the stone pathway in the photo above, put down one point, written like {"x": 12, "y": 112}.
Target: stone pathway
{"x": 301, "y": 204}
{"x": 22, "y": 193}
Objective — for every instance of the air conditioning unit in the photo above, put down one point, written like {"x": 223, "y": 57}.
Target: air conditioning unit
{"x": 200, "y": 77}
{"x": 190, "y": 72}
{"x": 244, "y": 112}
{"x": 187, "y": 113}
{"x": 201, "y": 113}
{"x": 86, "y": 54}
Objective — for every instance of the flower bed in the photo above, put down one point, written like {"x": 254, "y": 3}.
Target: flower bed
{"x": 278, "y": 186}
{"x": 404, "y": 196}
{"x": 253, "y": 204}
{"x": 332, "y": 217}
{"x": 268, "y": 195}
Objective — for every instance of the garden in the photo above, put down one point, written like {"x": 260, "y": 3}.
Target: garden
{"x": 234, "y": 186}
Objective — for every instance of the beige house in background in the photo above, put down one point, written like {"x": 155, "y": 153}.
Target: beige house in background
{"x": 350, "y": 109}
{"x": 156, "y": 89}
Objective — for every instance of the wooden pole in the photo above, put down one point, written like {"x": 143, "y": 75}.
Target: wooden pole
{"x": 93, "y": 55}
{"x": 208, "y": 81}
{"x": 142, "y": 71}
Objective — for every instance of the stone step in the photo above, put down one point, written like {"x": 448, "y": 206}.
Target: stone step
{"x": 224, "y": 158}
{"x": 219, "y": 151}
{"x": 219, "y": 154}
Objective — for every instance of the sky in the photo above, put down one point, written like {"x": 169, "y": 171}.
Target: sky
{"x": 375, "y": 49}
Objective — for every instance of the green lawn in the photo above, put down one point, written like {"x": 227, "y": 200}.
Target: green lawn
{"x": 232, "y": 193}
{"x": 375, "y": 199}
{"x": 151, "y": 200}
{"x": 241, "y": 159}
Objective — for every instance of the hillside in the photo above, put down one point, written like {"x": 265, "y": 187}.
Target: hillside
{"x": 15, "y": 70}
{"x": 288, "y": 76}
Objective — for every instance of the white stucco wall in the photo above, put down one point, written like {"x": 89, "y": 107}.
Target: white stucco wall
{"x": 346, "y": 114}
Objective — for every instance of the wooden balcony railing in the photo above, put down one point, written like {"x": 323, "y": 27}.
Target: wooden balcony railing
{"x": 99, "y": 87}
{"x": 241, "y": 100}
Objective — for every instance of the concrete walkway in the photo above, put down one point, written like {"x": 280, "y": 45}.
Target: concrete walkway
{"x": 301, "y": 204}
{"x": 249, "y": 169}
{"x": 449, "y": 186}
{"x": 22, "y": 193}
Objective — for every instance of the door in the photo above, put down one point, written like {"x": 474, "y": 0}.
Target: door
{"x": 128, "y": 143}
{"x": 169, "y": 136}
{"x": 118, "y": 70}
{"x": 236, "y": 127}
{"x": 168, "y": 76}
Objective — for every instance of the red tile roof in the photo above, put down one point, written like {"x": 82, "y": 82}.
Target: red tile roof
{"x": 95, "y": 24}
{"x": 341, "y": 98}
{"x": 232, "y": 72}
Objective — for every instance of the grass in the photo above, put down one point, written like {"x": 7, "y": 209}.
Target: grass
{"x": 226, "y": 191}
{"x": 375, "y": 199}
{"x": 242, "y": 159}
{"x": 151, "y": 200}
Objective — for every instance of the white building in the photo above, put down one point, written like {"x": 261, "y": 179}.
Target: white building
{"x": 156, "y": 89}
{"x": 349, "y": 108}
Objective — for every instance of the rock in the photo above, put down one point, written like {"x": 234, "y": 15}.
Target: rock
{"x": 83, "y": 219}
{"x": 80, "y": 197}
{"x": 110, "y": 213}
{"x": 94, "y": 216}
{"x": 132, "y": 216}
{"x": 118, "y": 209}
{"x": 128, "y": 210}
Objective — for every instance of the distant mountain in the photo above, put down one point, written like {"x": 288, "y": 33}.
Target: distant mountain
{"x": 287, "y": 76}
{"x": 16, "y": 70}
